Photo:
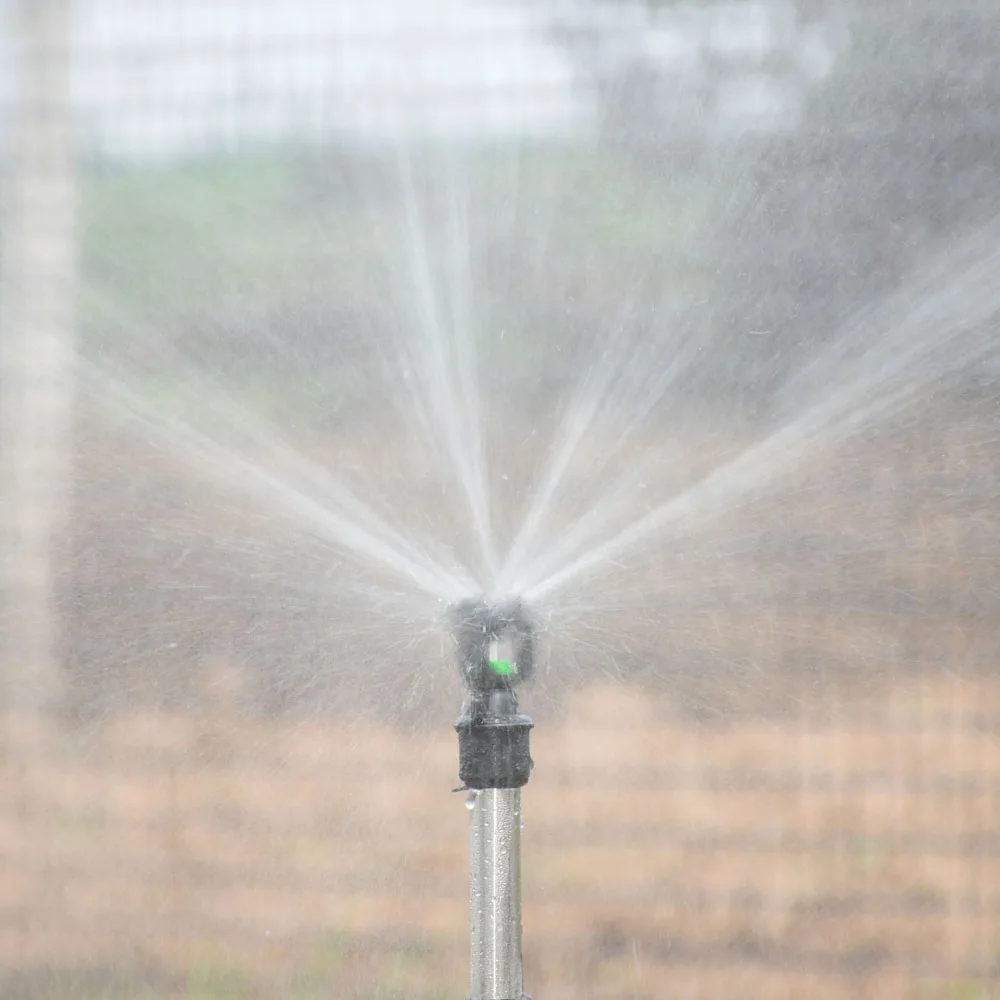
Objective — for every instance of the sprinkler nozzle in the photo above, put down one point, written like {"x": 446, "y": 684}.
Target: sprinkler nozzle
{"x": 495, "y": 645}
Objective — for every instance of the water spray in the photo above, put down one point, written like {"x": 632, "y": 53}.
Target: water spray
{"x": 495, "y": 644}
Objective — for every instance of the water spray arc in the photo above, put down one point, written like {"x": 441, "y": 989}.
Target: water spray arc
{"x": 495, "y": 646}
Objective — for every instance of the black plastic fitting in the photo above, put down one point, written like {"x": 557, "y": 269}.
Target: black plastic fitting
{"x": 494, "y": 751}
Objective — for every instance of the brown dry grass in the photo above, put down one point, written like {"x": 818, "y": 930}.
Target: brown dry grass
{"x": 852, "y": 857}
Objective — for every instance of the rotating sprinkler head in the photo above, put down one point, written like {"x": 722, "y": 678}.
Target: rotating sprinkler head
{"x": 495, "y": 645}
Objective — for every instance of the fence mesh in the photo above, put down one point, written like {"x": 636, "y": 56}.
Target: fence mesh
{"x": 772, "y": 769}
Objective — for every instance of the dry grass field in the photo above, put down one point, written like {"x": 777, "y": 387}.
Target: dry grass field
{"x": 209, "y": 856}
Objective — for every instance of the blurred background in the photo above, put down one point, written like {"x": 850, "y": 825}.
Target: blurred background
{"x": 770, "y": 762}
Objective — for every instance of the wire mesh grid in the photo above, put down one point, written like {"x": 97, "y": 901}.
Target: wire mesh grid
{"x": 809, "y": 807}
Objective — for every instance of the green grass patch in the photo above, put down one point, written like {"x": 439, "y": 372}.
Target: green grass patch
{"x": 184, "y": 241}
{"x": 90, "y": 982}
{"x": 209, "y": 979}
{"x": 239, "y": 266}
{"x": 178, "y": 244}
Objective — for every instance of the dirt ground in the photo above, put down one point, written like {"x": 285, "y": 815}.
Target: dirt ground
{"x": 214, "y": 856}
{"x": 774, "y": 772}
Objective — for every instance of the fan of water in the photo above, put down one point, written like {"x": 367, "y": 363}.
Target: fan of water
{"x": 461, "y": 430}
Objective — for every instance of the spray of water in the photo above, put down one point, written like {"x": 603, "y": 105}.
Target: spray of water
{"x": 439, "y": 349}
{"x": 339, "y": 517}
{"x": 624, "y": 499}
{"x": 941, "y": 320}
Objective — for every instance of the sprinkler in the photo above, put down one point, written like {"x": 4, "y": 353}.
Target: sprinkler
{"x": 495, "y": 645}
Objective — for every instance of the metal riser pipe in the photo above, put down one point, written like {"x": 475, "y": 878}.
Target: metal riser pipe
{"x": 495, "y": 894}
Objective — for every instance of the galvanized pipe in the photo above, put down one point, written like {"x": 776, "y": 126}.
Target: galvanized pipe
{"x": 495, "y": 894}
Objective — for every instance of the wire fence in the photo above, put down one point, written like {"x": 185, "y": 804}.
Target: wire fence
{"x": 798, "y": 792}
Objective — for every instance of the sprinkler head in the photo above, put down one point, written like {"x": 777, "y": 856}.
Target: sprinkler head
{"x": 495, "y": 644}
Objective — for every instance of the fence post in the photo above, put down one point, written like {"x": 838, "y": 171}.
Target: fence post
{"x": 37, "y": 340}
